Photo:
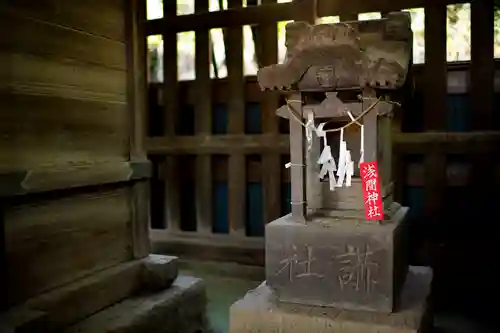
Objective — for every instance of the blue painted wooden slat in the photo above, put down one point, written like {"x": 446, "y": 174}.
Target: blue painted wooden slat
{"x": 188, "y": 210}
{"x": 220, "y": 119}
{"x": 414, "y": 199}
{"x": 253, "y": 119}
{"x": 458, "y": 113}
{"x": 254, "y": 211}
{"x": 220, "y": 208}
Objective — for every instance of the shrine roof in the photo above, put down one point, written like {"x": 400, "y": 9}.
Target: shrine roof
{"x": 343, "y": 56}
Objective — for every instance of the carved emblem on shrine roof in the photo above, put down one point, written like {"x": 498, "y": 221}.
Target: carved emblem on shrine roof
{"x": 348, "y": 55}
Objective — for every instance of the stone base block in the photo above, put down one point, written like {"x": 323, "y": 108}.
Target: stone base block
{"x": 259, "y": 311}
{"x": 178, "y": 309}
{"x": 337, "y": 261}
{"x": 159, "y": 272}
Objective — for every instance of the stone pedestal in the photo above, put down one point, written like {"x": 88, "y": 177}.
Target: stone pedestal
{"x": 337, "y": 261}
{"x": 260, "y": 311}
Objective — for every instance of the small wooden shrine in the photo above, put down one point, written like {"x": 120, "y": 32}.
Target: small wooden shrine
{"x": 341, "y": 248}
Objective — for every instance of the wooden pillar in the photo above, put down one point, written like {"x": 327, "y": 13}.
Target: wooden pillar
{"x": 482, "y": 73}
{"x": 237, "y": 165}
{"x": 271, "y": 177}
{"x": 136, "y": 100}
{"x": 435, "y": 108}
{"x": 348, "y": 17}
{"x": 171, "y": 108}
{"x": 203, "y": 125}
{"x": 314, "y": 190}
{"x": 370, "y": 122}
{"x": 482, "y": 64}
{"x": 297, "y": 159}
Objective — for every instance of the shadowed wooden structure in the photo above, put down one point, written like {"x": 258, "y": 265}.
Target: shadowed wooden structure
{"x": 74, "y": 176}
{"x": 439, "y": 167}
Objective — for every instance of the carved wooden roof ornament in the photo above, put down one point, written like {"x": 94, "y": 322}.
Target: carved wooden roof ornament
{"x": 371, "y": 57}
{"x": 329, "y": 57}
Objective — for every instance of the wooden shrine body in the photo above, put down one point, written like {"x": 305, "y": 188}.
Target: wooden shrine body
{"x": 325, "y": 253}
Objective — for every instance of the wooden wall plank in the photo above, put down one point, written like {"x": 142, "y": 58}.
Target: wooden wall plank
{"x": 79, "y": 16}
{"x": 236, "y": 105}
{"x": 41, "y": 131}
{"x": 435, "y": 99}
{"x": 56, "y": 42}
{"x": 271, "y": 178}
{"x": 61, "y": 78}
{"x": 203, "y": 125}
{"x": 55, "y": 241}
{"x": 171, "y": 109}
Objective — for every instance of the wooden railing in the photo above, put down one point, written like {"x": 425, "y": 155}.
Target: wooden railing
{"x": 189, "y": 167}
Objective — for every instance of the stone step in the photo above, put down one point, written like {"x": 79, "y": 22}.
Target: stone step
{"x": 178, "y": 309}
{"x": 77, "y": 300}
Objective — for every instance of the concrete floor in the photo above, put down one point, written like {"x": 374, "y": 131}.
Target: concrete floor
{"x": 226, "y": 283}
{"x": 224, "y": 287}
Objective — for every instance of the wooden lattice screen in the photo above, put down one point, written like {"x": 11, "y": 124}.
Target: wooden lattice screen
{"x": 446, "y": 176}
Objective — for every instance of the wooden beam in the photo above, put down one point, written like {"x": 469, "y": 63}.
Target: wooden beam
{"x": 23, "y": 181}
{"x": 456, "y": 175}
{"x": 218, "y": 144}
{"x": 271, "y": 13}
{"x": 404, "y": 143}
{"x": 237, "y": 170}
{"x": 215, "y": 247}
{"x": 333, "y": 8}
{"x": 203, "y": 125}
{"x": 234, "y": 16}
{"x": 457, "y": 83}
{"x": 447, "y": 142}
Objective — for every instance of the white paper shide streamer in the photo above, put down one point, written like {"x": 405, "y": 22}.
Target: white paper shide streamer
{"x": 345, "y": 167}
{"x": 326, "y": 159}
